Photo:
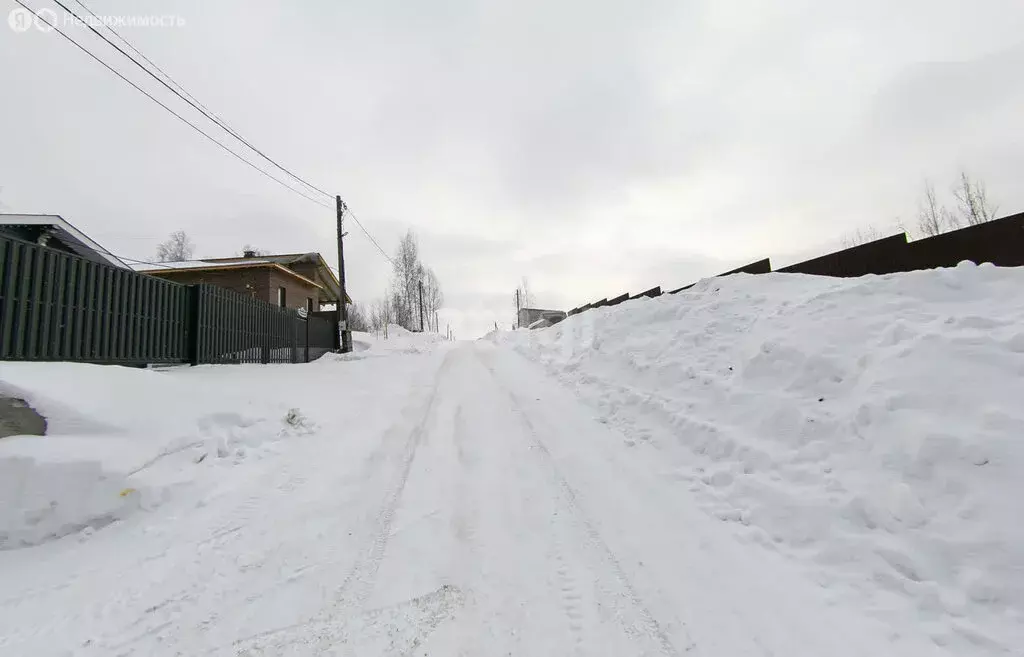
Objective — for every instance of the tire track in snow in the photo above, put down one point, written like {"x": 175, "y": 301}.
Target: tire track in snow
{"x": 358, "y": 584}
{"x": 465, "y": 556}
{"x": 642, "y": 625}
{"x": 465, "y": 518}
{"x": 571, "y": 598}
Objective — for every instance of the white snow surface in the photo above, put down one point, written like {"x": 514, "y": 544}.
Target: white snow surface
{"x": 398, "y": 340}
{"x": 772, "y": 465}
{"x": 871, "y": 428}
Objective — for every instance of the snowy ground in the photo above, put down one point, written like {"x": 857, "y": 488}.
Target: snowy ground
{"x": 659, "y": 478}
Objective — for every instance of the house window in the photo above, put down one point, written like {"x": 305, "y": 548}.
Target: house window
{"x": 281, "y": 297}
{"x": 309, "y": 304}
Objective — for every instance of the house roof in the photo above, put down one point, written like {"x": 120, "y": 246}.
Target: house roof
{"x": 80, "y": 243}
{"x": 326, "y": 273}
{"x": 331, "y": 286}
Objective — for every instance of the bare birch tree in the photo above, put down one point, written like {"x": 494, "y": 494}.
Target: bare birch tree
{"x": 973, "y": 202}
{"x": 407, "y": 272}
{"x": 433, "y": 298}
{"x": 932, "y": 216}
{"x": 380, "y": 316}
{"x": 177, "y": 247}
{"x": 861, "y": 236}
{"x": 522, "y": 297}
{"x": 357, "y": 318}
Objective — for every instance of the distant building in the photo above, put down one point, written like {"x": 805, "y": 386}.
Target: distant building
{"x": 528, "y": 316}
{"x": 55, "y": 232}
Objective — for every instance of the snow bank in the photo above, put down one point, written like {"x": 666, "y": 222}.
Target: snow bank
{"x": 871, "y": 427}
{"x": 119, "y": 439}
{"x": 399, "y": 341}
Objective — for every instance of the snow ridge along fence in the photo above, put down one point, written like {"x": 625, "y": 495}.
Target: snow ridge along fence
{"x": 1000, "y": 242}
{"x": 59, "y": 306}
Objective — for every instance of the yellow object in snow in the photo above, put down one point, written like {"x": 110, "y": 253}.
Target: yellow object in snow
{"x": 127, "y": 491}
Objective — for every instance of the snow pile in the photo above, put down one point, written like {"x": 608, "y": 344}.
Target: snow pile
{"x": 398, "y": 341}
{"x": 119, "y": 439}
{"x": 871, "y": 427}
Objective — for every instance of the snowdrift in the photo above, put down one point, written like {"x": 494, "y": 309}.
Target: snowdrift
{"x": 872, "y": 428}
{"x": 119, "y": 439}
{"x": 399, "y": 341}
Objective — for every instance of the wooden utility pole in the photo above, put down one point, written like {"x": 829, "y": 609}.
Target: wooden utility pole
{"x": 346, "y": 335}
{"x": 517, "y": 308}
{"x": 421, "y": 306}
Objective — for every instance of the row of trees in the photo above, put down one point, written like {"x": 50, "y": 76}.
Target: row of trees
{"x": 179, "y": 246}
{"x": 971, "y": 206}
{"x": 401, "y": 304}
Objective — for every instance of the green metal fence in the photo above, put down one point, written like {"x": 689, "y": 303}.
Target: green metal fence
{"x": 234, "y": 328}
{"x": 59, "y": 306}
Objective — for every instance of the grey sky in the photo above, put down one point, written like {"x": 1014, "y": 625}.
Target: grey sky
{"x": 595, "y": 147}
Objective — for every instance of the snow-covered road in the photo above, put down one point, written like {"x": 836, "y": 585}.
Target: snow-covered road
{"x": 479, "y": 509}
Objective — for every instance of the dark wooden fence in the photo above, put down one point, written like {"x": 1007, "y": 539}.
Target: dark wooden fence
{"x": 234, "y": 328}
{"x": 882, "y": 256}
{"x": 1000, "y": 242}
{"x": 58, "y": 306}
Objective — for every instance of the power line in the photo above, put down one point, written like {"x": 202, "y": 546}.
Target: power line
{"x": 139, "y": 262}
{"x": 191, "y": 100}
{"x": 178, "y": 116}
{"x": 194, "y": 103}
{"x": 360, "y": 224}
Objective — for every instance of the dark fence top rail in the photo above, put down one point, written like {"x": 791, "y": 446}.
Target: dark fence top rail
{"x": 1000, "y": 242}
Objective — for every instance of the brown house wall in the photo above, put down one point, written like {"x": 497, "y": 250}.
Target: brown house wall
{"x": 296, "y": 292}
{"x": 311, "y": 271}
{"x": 259, "y": 282}
{"x": 250, "y": 282}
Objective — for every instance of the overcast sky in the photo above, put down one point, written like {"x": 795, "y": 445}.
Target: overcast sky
{"x": 596, "y": 147}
